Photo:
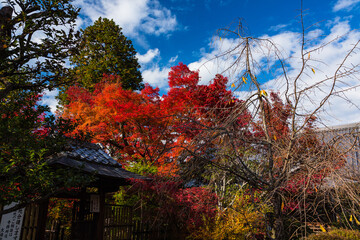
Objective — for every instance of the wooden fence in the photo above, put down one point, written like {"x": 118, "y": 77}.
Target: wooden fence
{"x": 30, "y": 222}
{"x": 57, "y": 231}
{"x": 118, "y": 225}
{"x": 118, "y": 222}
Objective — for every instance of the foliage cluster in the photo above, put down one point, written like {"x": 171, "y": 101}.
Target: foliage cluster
{"x": 21, "y": 48}
{"x": 36, "y": 38}
{"x": 28, "y": 136}
{"x": 60, "y": 209}
{"x": 244, "y": 219}
{"x": 144, "y": 127}
{"x": 103, "y": 49}
{"x": 164, "y": 204}
{"x": 336, "y": 234}
{"x": 194, "y": 129}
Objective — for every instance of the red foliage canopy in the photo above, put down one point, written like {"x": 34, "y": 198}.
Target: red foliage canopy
{"x": 144, "y": 126}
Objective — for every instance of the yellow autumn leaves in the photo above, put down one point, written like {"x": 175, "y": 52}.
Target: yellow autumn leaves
{"x": 312, "y": 69}
{"x": 352, "y": 218}
{"x": 263, "y": 93}
{"x": 322, "y": 228}
{"x": 243, "y": 79}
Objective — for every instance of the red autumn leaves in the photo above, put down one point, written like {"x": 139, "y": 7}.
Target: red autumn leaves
{"x": 144, "y": 126}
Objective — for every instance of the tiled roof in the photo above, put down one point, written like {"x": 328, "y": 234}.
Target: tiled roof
{"x": 91, "y": 158}
{"x": 90, "y": 153}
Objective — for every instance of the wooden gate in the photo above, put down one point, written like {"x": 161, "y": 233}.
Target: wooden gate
{"x": 120, "y": 225}
{"x": 83, "y": 223}
{"x": 118, "y": 222}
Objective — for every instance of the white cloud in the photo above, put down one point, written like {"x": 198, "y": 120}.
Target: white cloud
{"x": 159, "y": 20}
{"x": 50, "y": 100}
{"x": 213, "y": 62}
{"x": 332, "y": 49}
{"x": 314, "y": 34}
{"x": 148, "y": 56}
{"x": 278, "y": 27}
{"x": 325, "y": 58}
{"x": 173, "y": 59}
{"x": 216, "y": 62}
{"x": 345, "y": 5}
{"x": 151, "y": 72}
{"x": 156, "y": 76}
{"x": 134, "y": 16}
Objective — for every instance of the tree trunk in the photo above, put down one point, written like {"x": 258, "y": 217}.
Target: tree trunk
{"x": 278, "y": 218}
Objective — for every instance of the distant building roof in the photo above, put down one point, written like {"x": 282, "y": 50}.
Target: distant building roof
{"x": 340, "y": 128}
{"x": 346, "y": 138}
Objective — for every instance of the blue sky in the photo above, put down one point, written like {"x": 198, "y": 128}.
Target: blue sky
{"x": 166, "y": 32}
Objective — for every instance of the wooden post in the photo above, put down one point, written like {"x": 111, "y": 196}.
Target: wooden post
{"x": 101, "y": 216}
{"x": 82, "y": 204}
{"x": 42, "y": 217}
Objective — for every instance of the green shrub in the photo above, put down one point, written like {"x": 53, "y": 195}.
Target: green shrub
{"x": 346, "y": 233}
{"x": 324, "y": 236}
{"x": 336, "y": 234}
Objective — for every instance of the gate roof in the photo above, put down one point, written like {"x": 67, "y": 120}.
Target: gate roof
{"x": 92, "y": 158}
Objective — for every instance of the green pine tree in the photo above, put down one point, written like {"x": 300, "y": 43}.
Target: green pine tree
{"x": 105, "y": 50}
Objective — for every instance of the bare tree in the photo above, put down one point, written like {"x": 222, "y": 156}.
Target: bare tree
{"x": 279, "y": 151}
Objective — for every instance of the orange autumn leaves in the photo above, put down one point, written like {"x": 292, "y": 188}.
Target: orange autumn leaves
{"x": 130, "y": 124}
{"x": 142, "y": 126}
